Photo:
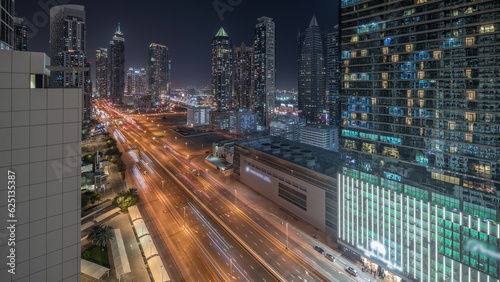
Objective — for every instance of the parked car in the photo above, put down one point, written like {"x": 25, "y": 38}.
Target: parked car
{"x": 329, "y": 257}
{"x": 319, "y": 250}
{"x": 351, "y": 271}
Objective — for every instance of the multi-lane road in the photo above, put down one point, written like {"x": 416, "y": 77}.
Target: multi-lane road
{"x": 209, "y": 235}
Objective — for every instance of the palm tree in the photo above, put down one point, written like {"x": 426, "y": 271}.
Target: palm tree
{"x": 100, "y": 235}
{"x": 126, "y": 199}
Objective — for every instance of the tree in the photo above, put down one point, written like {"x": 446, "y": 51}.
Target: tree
{"x": 96, "y": 196}
{"x": 100, "y": 235}
{"x": 126, "y": 199}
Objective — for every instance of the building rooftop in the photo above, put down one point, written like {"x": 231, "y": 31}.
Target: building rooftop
{"x": 313, "y": 158}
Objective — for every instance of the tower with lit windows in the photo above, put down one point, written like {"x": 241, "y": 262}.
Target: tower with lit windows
{"x": 264, "y": 69}
{"x": 116, "y": 69}
{"x": 222, "y": 71}
{"x": 418, "y": 192}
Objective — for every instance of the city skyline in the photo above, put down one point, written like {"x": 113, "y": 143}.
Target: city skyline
{"x": 200, "y": 20}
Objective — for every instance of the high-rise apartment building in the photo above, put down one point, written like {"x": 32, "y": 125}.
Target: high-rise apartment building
{"x": 116, "y": 68}
{"x": 40, "y": 149}
{"x": 418, "y": 194}
{"x": 312, "y": 75}
{"x": 101, "y": 74}
{"x": 333, "y": 76}
{"x": 7, "y": 25}
{"x": 222, "y": 71}
{"x": 20, "y": 35}
{"x": 286, "y": 126}
{"x": 322, "y": 136}
{"x": 242, "y": 81}
{"x": 158, "y": 70}
{"x": 136, "y": 82}
{"x": 68, "y": 52}
{"x": 67, "y": 44}
{"x": 264, "y": 70}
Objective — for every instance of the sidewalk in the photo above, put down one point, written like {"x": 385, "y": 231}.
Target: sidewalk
{"x": 118, "y": 221}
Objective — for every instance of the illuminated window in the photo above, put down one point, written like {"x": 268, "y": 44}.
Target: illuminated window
{"x": 453, "y": 149}
{"x": 409, "y": 47}
{"x": 410, "y": 103}
{"x": 364, "y": 52}
{"x": 421, "y": 103}
{"x": 346, "y": 62}
{"x": 385, "y": 84}
{"x": 481, "y": 170}
{"x": 409, "y": 12}
{"x": 420, "y": 1}
{"x": 346, "y": 84}
{"x": 391, "y": 152}
{"x": 468, "y": 137}
{"x": 445, "y": 178}
{"x": 469, "y": 10}
{"x": 421, "y": 74}
{"x": 454, "y": 12}
{"x": 395, "y": 58}
{"x": 409, "y": 121}
{"x": 468, "y": 73}
{"x": 451, "y": 125}
{"x": 470, "y": 40}
{"x": 374, "y": 101}
{"x": 408, "y": 93}
{"x": 353, "y": 54}
{"x": 354, "y": 77}
{"x": 437, "y": 54}
{"x": 421, "y": 93}
{"x": 471, "y": 127}
{"x": 354, "y": 115}
{"x": 471, "y": 95}
{"x": 385, "y": 50}
{"x": 385, "y": 75}
{"x": 364, "y": 116}
{"x": 487, "y": 28}
{"x": 346, "y": 77}
{"x": 355, "y": 38}
{"x": 422, "y": 65}
{"x": 350, "y": 144}
{"x": 368, "y": 148}
{"x": 470, "y": 116}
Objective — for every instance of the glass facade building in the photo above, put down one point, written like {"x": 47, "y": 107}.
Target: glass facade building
{"x": 158, "y": 70}
{"x": 420, "y": 136}
{"x": 264, "y": 71}
{"x": 222, "y": 54}
{"x": 312, "y": 75}
{"x": 116, "y": 67}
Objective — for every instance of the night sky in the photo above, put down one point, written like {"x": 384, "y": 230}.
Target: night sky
{"x": 187, "y": 28}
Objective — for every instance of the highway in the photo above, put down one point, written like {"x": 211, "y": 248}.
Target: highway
{"x": 205, "y": 225}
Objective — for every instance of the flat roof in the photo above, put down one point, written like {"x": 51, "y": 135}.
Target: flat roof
{"x": 326, "y": 162}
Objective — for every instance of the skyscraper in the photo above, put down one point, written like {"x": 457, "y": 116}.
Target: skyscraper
{"x": 102, "y": 72}
{"x": 68, "y": 51}
{"x": 136, "y": 81}
{"x": 116, "y": 69}
{"x": 41, "y": 151}
{"x": 20, "y": 35}
{"x": 418, "y": 194}
{"x": 158, "y": 70}
{"x": 7, "y": 25}
{"x": 264, "y": 69}
{"x": 312, "y": 75}
{"x": 333, "y": 76}
{"x": 222, "y": 71}
{"x": 242, "y": 80}
{"x": 67, "y": 44}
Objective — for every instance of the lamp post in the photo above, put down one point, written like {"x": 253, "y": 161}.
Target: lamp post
{"x": 186, "y": 145}
{"x": 162, "y": 273}
{"x": 235, "y": 198}
{"x": 163, "y": 184}
{"x": 286, "y": 226}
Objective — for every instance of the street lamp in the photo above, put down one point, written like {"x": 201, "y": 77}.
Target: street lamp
{"x": 162, "y": 273}
{"x": 235, "y": 198}
{"x": 163, "y": 184}
{"x": 286, "y": 226}
{"x": 186, "y": 145}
